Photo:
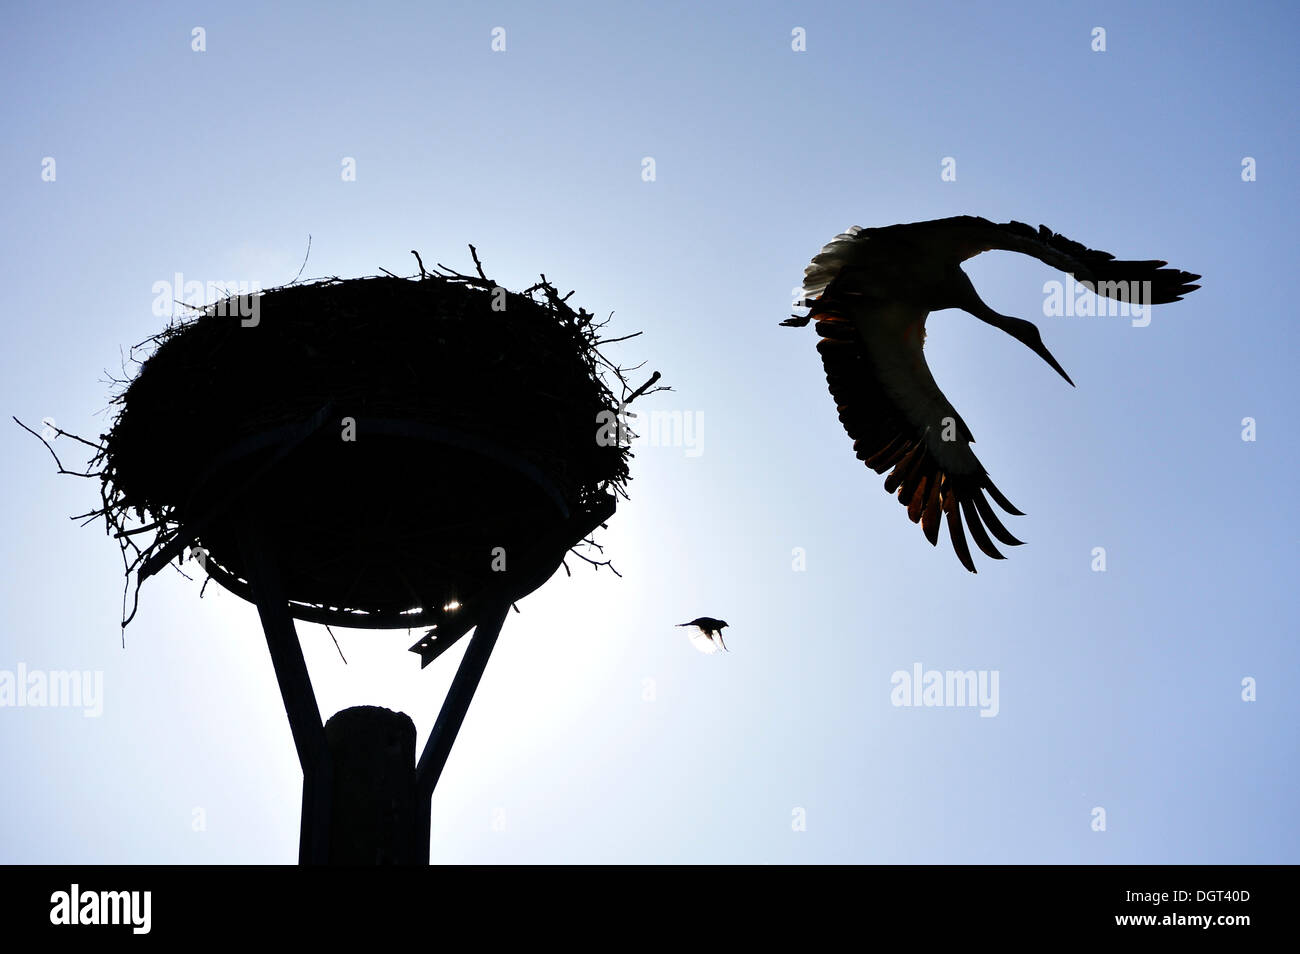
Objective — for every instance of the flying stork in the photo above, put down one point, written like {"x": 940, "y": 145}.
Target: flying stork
{"x": 870, "y": 291}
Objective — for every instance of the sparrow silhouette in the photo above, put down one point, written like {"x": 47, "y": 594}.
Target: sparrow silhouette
{"x": 706, "y": 634}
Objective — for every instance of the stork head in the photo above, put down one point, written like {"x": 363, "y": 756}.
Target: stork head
{"x": 1026, "y": 332}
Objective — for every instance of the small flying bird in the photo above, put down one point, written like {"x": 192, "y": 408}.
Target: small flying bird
{"x": 870, "y": 292}
{"x": 706, "y": 634}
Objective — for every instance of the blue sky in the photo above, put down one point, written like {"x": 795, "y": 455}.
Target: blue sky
{"x": 1119, "y": 690}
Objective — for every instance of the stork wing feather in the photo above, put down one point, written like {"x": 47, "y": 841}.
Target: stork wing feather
{"x": 965, "y": 236}
{"x": 828, "y": 262}
{"x": 898, "y": 420}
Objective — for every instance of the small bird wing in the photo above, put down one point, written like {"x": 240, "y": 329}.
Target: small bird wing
{"x": 901, "y": 422}
{"x": 965, "y": 236}
{"x": 700, "y": 640}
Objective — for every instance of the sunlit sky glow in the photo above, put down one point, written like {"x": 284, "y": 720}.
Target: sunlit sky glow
{"x": 598, "y": 733}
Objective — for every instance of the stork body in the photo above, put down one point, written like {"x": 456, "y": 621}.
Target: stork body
{"x": 870, "y": 292}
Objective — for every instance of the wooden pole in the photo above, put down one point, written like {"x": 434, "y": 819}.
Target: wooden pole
{"x": 376, "y": 808}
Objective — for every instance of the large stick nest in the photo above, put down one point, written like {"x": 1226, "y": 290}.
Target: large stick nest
{"x": 388, "y": 438}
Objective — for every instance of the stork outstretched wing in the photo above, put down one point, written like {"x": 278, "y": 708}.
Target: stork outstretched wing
{"x": 964, "y": 236}
{"x": 901, "y": 422}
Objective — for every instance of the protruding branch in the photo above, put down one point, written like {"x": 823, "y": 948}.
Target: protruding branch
{"x": 304, "y": 261}
{"x": 60, "y": 433}
{"x": 479, "y": 265}
{"x": 641, "y": 390}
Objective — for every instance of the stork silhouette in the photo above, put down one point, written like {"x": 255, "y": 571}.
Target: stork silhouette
{"x": 870, "y": 292}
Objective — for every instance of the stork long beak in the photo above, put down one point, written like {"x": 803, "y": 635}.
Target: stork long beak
{"x": 1023, "y": 331}
{"x": 1040, "y": 349}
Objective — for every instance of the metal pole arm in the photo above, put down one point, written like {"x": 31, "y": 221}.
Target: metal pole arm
{"x": 299, "y": 699}
{"x": 454, "y": 707}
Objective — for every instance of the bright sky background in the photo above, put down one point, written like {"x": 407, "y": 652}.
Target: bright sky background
{"x": 1119, "y": 689}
